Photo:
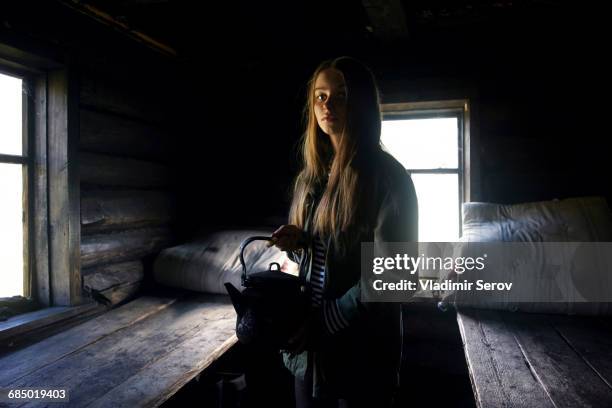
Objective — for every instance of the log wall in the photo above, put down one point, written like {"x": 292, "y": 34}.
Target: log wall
{"x": 122, "y": 103}
{"x": 125, "y": 165}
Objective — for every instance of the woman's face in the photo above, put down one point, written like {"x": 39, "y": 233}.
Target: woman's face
{"x": 330, "y": 101}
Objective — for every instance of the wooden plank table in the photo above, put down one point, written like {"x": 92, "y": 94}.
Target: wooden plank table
{"x": 137, "y": 355}
{"x": 536, "y": 360}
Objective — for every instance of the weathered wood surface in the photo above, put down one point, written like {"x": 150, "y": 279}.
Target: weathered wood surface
{"x": 115, "y": 282}
{"x": 49, "y": 350}
{"x": 25, "y": 323}
{"x": 164, "y": 377}
{"x": 123, "y": 292}
{"x": 126, "y": 98}
{"x": 529, "y": 360}
{"x": 103, "y": 210}
{"x": 40, "y": 204}
{"x": 498, "y": 371}
{"x": 105, "y": 170}
{"x": 592, "y": 340}
{"x": 63, "y": 186}
{"x": 127, "y": 359}
{"x": 127, "y": 245}
{"x": 115, "y": 135}
{"x": 108, "y": 276}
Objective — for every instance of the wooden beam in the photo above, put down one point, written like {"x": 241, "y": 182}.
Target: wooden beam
{"x": 40, "y": 209}
{"x": 10, "y": 158}
{"x": 105, "y": 170}
{"x": 387, "y": 19}
{"x": 108, "y": 276}
{"x": 25, "y": 62}
{"x": 111, "y": 134}
{"x": 102, "y": 249}
{"x": 140, "y": 99}
{"x": 123, "y": 28}
{"x": 121, "y": 293}
{"x": 64, "y": 203}
{"x": 104, "y": 210}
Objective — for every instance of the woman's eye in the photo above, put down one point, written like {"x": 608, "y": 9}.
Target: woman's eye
{"x": 320, "y": 97}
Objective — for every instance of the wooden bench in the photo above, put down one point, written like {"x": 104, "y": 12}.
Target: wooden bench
{"x": 534, "y": 360}
{"x": 137, "y": 355}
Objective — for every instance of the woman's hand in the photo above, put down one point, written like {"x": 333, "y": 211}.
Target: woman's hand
{"x": 305, "y": 337}
{"x": 288, "y": 238}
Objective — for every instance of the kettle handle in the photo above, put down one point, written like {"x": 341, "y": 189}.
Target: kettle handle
{"x": 243, "y": 245}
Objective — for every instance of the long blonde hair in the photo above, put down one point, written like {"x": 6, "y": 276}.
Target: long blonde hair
{"x": 343, "y": 201}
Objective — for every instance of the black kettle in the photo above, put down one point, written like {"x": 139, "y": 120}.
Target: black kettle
{"x": 273, "y": 305}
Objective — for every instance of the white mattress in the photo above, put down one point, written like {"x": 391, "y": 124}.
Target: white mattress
{"x": 582, "y": 219}
{"x": 205, "y": 264}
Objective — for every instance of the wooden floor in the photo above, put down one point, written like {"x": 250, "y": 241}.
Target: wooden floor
{"x": 142, "y": 353}
{"x": 137, "y": 355}
{"x": 530, "y": 360}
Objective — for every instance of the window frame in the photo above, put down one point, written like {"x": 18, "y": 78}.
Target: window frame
{"x": 52, "y": 276}
{"x": 467, "y": 160}
{"x": 26, "y": 158}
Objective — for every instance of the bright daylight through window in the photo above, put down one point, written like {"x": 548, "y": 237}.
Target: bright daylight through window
{"x": 429, "y": 150}
{"x": 11, "y": 185}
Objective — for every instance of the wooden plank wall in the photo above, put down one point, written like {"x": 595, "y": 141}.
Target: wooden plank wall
{"x": 125, "y": 163}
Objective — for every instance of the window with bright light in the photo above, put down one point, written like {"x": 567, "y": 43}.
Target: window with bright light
{"x": 13, "y": 185}
{"x": 429, "y": 143}
{"x": 39, "y": 202}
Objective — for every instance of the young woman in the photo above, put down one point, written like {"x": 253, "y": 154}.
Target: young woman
{"x": 349, "y": 191}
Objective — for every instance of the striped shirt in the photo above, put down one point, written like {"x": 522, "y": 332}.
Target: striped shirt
{"x": 334, "y": 321}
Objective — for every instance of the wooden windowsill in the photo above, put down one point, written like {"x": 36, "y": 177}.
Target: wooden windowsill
{"x": 12, "y": 329}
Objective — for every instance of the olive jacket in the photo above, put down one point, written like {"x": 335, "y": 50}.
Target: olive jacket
{"x": 364, "y": 357}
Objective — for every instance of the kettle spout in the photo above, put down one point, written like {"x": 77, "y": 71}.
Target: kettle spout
{"x": 236, "y": 298}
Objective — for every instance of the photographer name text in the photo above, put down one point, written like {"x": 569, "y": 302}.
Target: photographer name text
{"x": 447, "y": 285}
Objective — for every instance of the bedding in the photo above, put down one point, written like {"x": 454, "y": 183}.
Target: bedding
{"x": 579, "y": 219}
{"x": 572, "y": 220}
{"x": 206, "y": 263}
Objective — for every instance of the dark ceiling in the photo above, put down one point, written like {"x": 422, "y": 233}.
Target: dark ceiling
{"x": 264, "y": 29}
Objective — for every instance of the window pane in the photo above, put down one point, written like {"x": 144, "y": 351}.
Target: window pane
{"x": 438, "y": 196}
{"x": 422, "y": 143}
{"x": 10, "y": 115}
{"x": 11, "y": 230}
